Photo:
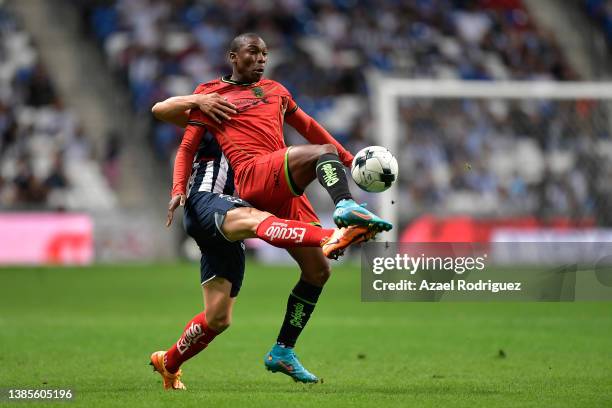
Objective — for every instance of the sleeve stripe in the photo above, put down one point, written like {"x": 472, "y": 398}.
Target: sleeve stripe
{"x": 195, "y": 122}
{"x": 295, "y": 108}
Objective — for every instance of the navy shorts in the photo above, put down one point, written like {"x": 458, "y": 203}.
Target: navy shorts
{"x": 204, "y": 214}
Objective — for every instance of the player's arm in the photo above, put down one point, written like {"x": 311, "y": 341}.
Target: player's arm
{"x": 314, "y": 132}
{"x": 182, "y": 167}
{"x": 176, "y": 109}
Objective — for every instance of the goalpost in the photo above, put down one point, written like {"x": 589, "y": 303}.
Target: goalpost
{"x": 388, "y": 92}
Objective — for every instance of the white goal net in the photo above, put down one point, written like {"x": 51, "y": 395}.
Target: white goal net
{"x": 496, "y": 149}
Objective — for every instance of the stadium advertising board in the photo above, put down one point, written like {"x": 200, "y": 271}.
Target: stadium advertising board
{"x": 46, "y": 238}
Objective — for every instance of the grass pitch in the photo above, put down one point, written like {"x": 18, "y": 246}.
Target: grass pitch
{"x": 92, "y": 330}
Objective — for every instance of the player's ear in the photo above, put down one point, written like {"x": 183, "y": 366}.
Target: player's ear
{"x": 231, "y": 56}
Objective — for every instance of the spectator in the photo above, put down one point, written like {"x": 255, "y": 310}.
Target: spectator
{"x": 57, "y": 176}
{"x": 111, "y": 165}
{"x": 34, "y": 123}
{"x": 27, "y": 188}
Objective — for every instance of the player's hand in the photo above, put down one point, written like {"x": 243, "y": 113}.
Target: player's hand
{"x": 173, "y": 205}
{"x": 216, "y": 106}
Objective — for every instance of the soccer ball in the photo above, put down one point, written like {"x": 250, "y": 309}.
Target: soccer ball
{"x": 374, "y": 169}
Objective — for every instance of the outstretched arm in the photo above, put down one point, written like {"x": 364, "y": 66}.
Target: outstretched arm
{"x": 176, "y": 109}
{"x": 315, "y": 133}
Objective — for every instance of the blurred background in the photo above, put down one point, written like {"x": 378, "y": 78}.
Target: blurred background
{"x": 85, "y": 171}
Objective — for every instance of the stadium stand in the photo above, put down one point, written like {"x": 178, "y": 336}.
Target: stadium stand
{"x": 322, "y": 51}
{"x": 601, "y": 11}
{"x": 47, "y": 162}
{"x": 525, "y": 157}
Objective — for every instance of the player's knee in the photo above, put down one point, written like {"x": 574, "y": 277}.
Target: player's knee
{"x": 318, "y": 276}
{"x": 257, "y": 216}
{"x": 223, "y": 325}
{"x": 325, "y": 274}
{"x": 328, "y": 148}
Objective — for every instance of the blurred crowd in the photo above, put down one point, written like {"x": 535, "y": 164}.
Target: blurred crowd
{"x": 39, "y": 136}
{"x": 601, "y": 11}
{"x": 322, "y": 51}
{"x": 322, "y": 48}
{"x": 30, "y": 112}
{"x": 506, "y": 158}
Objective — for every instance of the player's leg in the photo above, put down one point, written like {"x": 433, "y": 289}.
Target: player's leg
{"x": 247, "y": 222}
{"x": 315, "y": 271}
{"x": 205, "y": 326}
{"x": 198, "y": 332}
{"x": 221, "y": 273}
{"x": 235, "y": 219}
{"x": 218, "y": 304}
{"x": 304, "y": 163}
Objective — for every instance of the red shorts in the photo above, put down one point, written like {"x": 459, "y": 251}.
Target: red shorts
{"x": 264, "y": 183}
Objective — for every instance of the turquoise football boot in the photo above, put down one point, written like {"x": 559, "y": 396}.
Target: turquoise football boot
{"x": 348, "y": 212}
{"x": 283, "y": 359}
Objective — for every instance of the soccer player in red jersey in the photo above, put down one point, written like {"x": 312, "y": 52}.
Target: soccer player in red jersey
{"x": 270, "y": 175}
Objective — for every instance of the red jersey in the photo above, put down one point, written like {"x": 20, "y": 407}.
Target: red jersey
{"x": 256, "y": 130}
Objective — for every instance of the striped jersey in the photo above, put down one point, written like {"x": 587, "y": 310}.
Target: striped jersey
{"x": 210, "y": 171}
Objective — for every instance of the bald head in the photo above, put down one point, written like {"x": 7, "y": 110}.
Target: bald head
{"x": 242, "y": 39}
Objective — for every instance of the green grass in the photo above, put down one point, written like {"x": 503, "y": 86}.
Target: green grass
{"x": 92, "y": 330}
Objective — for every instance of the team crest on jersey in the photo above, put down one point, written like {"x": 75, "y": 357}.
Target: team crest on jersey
{"x": 258, "y": 91}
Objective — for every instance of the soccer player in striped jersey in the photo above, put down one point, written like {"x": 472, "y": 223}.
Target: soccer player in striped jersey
{"x": 270, "y": 175}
